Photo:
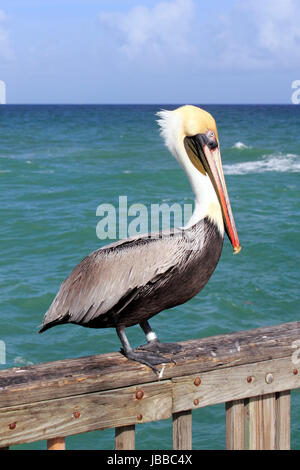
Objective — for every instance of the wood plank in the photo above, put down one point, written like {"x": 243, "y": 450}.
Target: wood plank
{"x": 234, "y": 383}
{"x": 269, "y": 421}
{"x": 256, "y": 429}
{"x": 57, "y": 443}
{"x": 182, "y": 430}
{"x": 235, "y": 425}
{"x": 72, "y": 415}
{"x": 111, "y": 371}
{"x": 283, "y": 421}
{"x": 125, "y": 438}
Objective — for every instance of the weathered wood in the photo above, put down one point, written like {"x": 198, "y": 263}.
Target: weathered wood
{"x": 57, "y": 443}
{"x": 82, "y": 413}
{"x": 250, "y": 370}
{"x": 256, "y": 428}
{"x": 182, "y": 430}
{"x": 267, "y": 422}
{"x": 283, "y": 420}
{"x": 234, "y": 383}
{"x": 110, "y": 371}
{"x": 125, "y": 438}
{"x": 235, "y": 425}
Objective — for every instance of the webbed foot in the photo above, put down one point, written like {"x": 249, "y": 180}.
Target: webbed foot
{"x": 148, "y": 358}
{"x": 157, "y": 346}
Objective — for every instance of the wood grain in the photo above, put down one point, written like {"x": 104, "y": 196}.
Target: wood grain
{"x": 125, "y": 438}
{"x": 283, "y": 420}
{"x": 71, "y": 377}
{"x": 235, "y": 425}
{"x": 182, "y": 430}
{"x": 269, "y": 421}
{"x": 249, "y": 370}
{"x": 233, "y": 383}
{"x": 82, "y": 413}
{"x": 259, "y": 423}
{"x": 256, "y": 424}
{"x": 57, "y": 443}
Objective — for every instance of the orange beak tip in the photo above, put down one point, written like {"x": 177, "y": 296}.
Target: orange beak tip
{"x": 237, "y": 249}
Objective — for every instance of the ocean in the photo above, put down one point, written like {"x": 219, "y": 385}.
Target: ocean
{"x": 59, "y": 163}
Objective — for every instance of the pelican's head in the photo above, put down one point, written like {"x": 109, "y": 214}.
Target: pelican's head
{"x": 191, "y": 135}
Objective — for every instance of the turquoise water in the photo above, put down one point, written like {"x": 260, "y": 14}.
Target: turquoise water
{"x": 58, "y": 163}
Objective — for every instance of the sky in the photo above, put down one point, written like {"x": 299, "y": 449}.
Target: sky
{"x": 149, "y": 51}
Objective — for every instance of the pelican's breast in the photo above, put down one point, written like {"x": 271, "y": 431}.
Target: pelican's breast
{"x": 201, "y": 249}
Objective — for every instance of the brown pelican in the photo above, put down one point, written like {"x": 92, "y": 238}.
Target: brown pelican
{"x": 130, "y": 281}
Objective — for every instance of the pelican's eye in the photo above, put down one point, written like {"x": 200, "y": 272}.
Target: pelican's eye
{"x": 211, "y": 139}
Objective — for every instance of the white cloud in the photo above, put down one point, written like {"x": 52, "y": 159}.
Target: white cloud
{"x": 251, "y": 34}
{"x": 5, "y": 47}
{"x": 261, "y": 34}
{"x": 279, "y": 30}
{"x": 157, "y": 34}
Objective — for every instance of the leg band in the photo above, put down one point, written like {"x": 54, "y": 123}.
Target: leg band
{"x": 151, "y": 336}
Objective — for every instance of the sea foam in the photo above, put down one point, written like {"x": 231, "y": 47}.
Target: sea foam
{"x": 282, "y": 163}
{"x": 240, "y": 146}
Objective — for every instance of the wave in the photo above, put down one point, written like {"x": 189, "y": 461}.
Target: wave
{"x": 288, "y": 163}
{"x": 240, "y": 146}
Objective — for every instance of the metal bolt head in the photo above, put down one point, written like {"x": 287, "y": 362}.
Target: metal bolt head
{"x": 197, "y": 381}
{"x": 249, "y": 379}
{"x": 76, "y": 414}
{"x": 139, "y": 416}
{"x": 269, "y": 378}
{"x": 139, "y": 394}
{"x": 196, "y": 402}
{"x": 295, "y": 371}
{"x": 12, "y": 425}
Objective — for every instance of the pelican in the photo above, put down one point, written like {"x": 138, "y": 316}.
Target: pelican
{"x": 128, "y": 282}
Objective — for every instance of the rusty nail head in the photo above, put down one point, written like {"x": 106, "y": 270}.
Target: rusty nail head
{"x": 12, "y": 425}
{"x": 196, "y": 401}
{"x": 139, "y": 416}
{"x": 139, "y": 394}
{"x": 295, "y": 371}
{"x": 197, "y": 381}
{"x": 249, "y": 379}
{"x": 76, "y": 414}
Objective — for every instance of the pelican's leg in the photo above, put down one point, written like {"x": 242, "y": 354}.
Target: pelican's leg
{"x": 148, "y": 358}
{"x": 153, "y": 342}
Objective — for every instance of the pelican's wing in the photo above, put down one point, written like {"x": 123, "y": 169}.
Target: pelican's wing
{"x": 110, "y": 277}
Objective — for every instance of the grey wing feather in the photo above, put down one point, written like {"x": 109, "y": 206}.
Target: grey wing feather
{"x": 110, "y": 274}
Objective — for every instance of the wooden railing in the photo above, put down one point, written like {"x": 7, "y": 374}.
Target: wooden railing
{"x": 252, "y": 372}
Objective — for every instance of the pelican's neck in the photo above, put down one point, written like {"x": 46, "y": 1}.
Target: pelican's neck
{"x": 206, "y": 201}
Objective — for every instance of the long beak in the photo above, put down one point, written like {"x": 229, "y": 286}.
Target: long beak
{"x": 213, "y": 166}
